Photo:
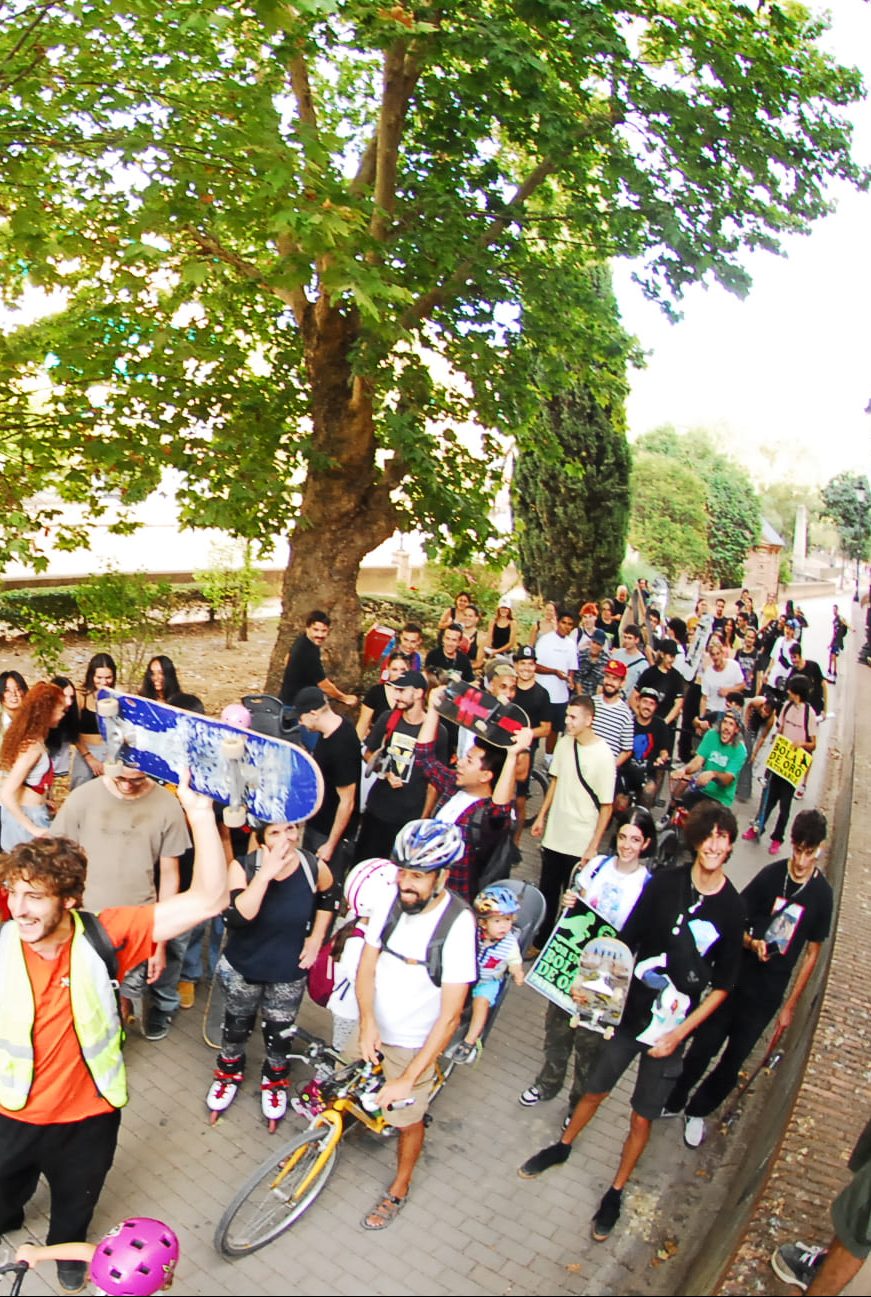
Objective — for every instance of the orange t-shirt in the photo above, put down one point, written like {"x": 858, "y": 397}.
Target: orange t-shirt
{"x": 63, "y": 1089}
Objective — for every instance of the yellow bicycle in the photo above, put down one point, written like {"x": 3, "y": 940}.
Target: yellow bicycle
{"x": 286, "y": 1185}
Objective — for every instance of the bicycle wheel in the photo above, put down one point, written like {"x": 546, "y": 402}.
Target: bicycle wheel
{"x": 538, "y": 782}
{"x": 267, "y": 1204}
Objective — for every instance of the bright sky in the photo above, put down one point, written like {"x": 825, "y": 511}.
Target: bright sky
{"x": 788, "y": 369}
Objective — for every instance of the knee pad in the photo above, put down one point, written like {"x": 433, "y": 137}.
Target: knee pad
{"x": 238, "y": 1027}
{"x": 276, "y": 1045}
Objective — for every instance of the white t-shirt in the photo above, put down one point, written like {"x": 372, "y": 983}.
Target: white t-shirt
{"x": 611, "y": 893}
{"x": 407, "y": 1003}
{"x": 454, "y": 807}
{"x": 731, "y": 677}
{"x": 560, "y": 652}
{"x": 343, "y": 1001}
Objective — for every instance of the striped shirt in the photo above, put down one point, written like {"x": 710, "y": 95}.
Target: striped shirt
{"x": 614, "y": 723}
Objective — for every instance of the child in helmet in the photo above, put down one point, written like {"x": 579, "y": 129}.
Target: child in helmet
{"x": 498, "y": 955}
{"x": 365, "y": 888}
{"x": 136, "y": 1258}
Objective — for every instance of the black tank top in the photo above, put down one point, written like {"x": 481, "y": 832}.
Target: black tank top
{"x": 268, "y": 948}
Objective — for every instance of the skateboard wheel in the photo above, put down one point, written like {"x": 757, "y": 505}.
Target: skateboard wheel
{"x": 113, "y": 768}
{"x": 107, "y": 707}
{"x": 234, "y": 816}
{"x": 233, "y": 749}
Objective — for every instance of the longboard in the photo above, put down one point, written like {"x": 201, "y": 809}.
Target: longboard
{"x": 273, "y": 780}
{"x": 481, "y": 712}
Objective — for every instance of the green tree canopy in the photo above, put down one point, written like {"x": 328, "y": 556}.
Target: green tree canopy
{"x": 732, "y": 519}
{"x": 846, "y": 499}
{"x": 669, "y": 519}
{"x": 571, "y": 508}
{"x": 298, "y": 245}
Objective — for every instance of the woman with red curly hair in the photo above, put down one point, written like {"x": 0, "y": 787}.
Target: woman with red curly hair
{"x": 28, "y": 770}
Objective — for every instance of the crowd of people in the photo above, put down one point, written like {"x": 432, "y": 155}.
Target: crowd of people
{"x": 418, "y": 821}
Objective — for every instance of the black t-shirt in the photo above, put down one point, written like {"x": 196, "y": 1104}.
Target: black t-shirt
{"x": 650, "y": 932}
{"x": 304, "y": 668}
{"x": 398, "y": 805}
{"x": 779, "y": 909}
{"x": 749, "y": 664}
{"x": 376, "y": 698}
{"x": 338, "y": 755}
{"x": 649, "y": 741}
{"x": 437, "y": 661}
{"x": 668, "y": 684}
{"x": 535, "y": 702}
{"x": 813, "y": 672}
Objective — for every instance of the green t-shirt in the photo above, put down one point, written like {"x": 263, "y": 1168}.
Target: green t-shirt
{"x": 719, "y": 756}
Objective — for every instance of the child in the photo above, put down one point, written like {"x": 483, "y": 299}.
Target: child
{"x": 498, "y": 955}
{"x": 137, "y": 1257}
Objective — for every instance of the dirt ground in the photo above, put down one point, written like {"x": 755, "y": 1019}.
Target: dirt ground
{"x": 205, "y": 666}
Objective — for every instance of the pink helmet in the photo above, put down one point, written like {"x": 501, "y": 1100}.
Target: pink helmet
{"x": 136, "y": 1258}
{"x": 237, "y": 714}
{"x": 368, "y": 884}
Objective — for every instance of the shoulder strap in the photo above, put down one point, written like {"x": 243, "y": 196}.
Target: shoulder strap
{"x": 586, "y": 787}
{"x": 603, "y": 861}
{"x": 309, "y": 863}
{"x": 436, "y": 944}
{"x": 97, "y": 936}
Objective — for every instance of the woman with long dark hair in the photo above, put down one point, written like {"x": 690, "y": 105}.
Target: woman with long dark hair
{"x": 27, "y": 767}
{"x": 161, "y": 680}
{"x": 91, "y": 750}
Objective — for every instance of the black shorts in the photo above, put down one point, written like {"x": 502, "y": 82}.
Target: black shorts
{"x": 558, "y": 717}
{"x": 655, "y": 1080}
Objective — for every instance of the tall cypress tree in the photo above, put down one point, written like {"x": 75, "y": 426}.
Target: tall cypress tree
{"x": 571, "y": 498}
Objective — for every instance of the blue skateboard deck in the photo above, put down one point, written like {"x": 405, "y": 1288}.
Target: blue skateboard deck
{"x": 269, "y": 778}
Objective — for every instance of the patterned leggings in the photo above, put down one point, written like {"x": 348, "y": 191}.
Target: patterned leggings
{"x": 278, "y": 1003}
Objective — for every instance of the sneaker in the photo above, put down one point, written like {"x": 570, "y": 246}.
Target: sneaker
{"x": 531, "y": 1097}
{"x": 775, "y": 847}
{"x": 157, "y": 1025}
{"x": 607, "y": 1216}
{"x": 693, "y": 1131}
{"x": 796, "y": 1263}
{"x": 466, "y": 1051}
{"x": 71, "y": 1275}
{"x": 187, "y": 994}
{"x": 544, "y": 1159}
{"x": 750, "y": 834}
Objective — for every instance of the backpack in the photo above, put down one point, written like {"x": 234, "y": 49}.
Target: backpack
{"x": 98, "y": 938}
{"x": 503, "y": 855}
{"x": 322, "y": 974}
{"x": 436, "y": 944}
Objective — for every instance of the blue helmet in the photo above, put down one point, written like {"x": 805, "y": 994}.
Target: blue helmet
{"x": 428, "y": 845}
{"x": 496, "y": 899}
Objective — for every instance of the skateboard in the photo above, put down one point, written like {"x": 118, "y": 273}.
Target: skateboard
{"x": 273, "y": 780}
{"x": 476, "y": 710}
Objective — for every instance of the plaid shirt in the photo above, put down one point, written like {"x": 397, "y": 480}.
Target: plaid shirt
{"x": 496, "y": 820}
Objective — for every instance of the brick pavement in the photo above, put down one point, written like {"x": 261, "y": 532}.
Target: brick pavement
{"x": 471, "y": 1225}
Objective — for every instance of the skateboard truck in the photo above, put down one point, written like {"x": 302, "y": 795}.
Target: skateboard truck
{"x": 232, "y": 751}
{"x": 115, "y": 739}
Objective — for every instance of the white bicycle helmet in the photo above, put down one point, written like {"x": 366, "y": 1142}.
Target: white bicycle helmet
{"x": 427, "y": 845}
{"x": 368, "y": 884}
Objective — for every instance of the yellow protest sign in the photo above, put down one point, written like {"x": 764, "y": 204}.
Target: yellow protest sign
{"x": 788, "y": 761}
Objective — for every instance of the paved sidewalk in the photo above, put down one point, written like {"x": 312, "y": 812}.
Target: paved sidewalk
{"x": 471, "y": 1225}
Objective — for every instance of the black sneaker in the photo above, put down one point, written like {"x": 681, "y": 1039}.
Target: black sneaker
{"x": 798, "y": 1264}
{"x": 544, "y": 1159}
{"x": 71, "y": 1275}
{"x": 607, "y": 1216}
{"x": 157, "y": 1025}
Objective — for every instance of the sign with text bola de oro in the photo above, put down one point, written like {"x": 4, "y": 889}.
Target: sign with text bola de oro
{"x": 584, "y": 952}
{"x": 788, "y": 761}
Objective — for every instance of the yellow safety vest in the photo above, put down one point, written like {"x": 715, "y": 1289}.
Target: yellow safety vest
{"x": 94, "y": 1012}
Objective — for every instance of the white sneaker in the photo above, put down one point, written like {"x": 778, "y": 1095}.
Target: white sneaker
{"x": 693, "y": 1131}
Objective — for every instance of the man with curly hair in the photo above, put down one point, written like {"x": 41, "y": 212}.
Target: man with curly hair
{"x": 62, "y": 1079}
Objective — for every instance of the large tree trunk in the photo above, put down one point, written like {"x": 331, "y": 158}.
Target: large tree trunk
{"x": 346, "y": 509}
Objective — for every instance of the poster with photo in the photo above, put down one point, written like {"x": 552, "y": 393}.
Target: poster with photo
{"x": 584, "y": 955}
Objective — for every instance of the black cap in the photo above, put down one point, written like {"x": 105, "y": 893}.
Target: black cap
{"x": 409, "y": 680}
{"x": 310, "y": 699}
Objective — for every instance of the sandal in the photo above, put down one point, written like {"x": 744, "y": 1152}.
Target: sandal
{"x": 384, "y": 1212}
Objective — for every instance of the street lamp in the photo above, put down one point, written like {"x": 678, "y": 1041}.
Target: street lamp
{"x": 861, "y": 497}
